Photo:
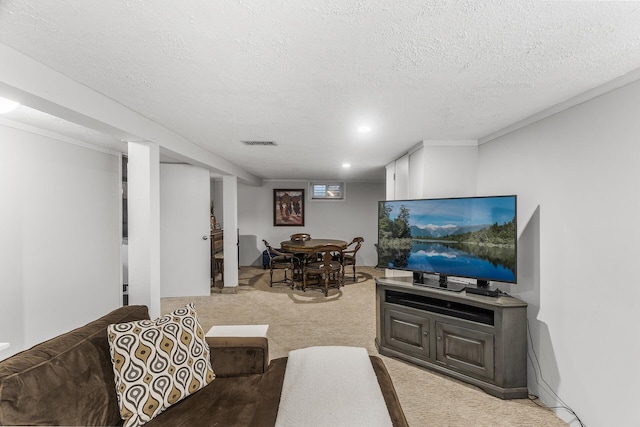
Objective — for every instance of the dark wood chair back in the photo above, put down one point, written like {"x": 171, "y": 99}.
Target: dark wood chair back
{"x": 358, "y": 244}
{"x": 328, "y": 267}
{"x": 349, "y": 255}
{"x": 281, "y": 261}
{"x": 300, "y": 237}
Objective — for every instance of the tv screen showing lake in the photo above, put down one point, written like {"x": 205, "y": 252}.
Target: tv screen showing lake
{"x": 469, "y": 237}
{"x": 455, "y": 261}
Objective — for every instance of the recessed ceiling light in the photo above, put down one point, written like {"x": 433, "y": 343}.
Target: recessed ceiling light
{"x": 346, "y": 165}
{"x": 7, "y": 105}
{"x": 364, "y": 129}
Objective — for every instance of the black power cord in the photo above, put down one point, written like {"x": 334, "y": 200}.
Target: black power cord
{"x": 538, "y": 373}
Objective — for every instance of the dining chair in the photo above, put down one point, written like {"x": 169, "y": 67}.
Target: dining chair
{"x": 281, "y": 261}
{"x": 349, "y": 255}
{"x": 328, "y": 269}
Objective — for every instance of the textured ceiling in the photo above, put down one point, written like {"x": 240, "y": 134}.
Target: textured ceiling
{"x": 306, "y": 74}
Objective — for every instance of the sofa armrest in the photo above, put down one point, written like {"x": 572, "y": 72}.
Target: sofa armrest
{"x": 233, "y": 356}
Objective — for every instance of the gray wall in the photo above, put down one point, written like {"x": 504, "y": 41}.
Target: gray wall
{"x": 357, "y": 215}
{"x": 577, "y": 175}
{"x": 61, "y": 235}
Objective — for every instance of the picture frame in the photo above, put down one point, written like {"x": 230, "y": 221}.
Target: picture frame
{"x": 288, "y": 207}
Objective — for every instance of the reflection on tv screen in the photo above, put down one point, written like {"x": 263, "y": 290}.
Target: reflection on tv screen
{"x": 472, "y": 237}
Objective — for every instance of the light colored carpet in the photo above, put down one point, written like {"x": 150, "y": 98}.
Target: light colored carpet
{"x": 347, "y": 317}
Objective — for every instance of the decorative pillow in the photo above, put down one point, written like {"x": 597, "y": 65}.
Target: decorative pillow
{"x": 158, "y": 363}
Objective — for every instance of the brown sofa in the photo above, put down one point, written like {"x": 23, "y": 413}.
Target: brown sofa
{"x": 69, "y": 380}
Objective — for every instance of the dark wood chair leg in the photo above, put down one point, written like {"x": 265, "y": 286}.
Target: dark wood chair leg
{"x": 326, "y": 285}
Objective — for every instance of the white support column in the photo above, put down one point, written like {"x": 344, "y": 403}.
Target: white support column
{"x": 401, "y": 191}
{"x": 144, "y": 225}
{"x": 230, "y": 221}
{"x": 391, "y": 181}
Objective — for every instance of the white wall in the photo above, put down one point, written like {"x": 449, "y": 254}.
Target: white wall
{"x": 390, "y": 181}
{"x": 449, "y": 168}
{"x": 434, "y": 168}
{"x": 402, "y": 187}
{"x": 61, "y": 233}
{"x": 416, "y": 173}
{"x": 216, "y": 188}
{"x": 355, "y": 216}
{"x": 577, "y": 176}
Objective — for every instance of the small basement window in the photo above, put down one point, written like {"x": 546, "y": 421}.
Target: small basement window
{"x": 327, "y": 190}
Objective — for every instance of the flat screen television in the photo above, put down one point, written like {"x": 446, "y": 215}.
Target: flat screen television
{"x": 468, "y": 237}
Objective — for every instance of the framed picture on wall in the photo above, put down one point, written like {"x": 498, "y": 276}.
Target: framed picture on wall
{"x": 288, "y": 207}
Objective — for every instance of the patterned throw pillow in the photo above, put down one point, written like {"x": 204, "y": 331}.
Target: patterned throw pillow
{"x": 158, "y": 363}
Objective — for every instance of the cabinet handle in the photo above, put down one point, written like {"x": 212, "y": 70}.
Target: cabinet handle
{"x": 439, "y": 338}
{"x": 426, "y": 333}
{"x": 205, "y": 237}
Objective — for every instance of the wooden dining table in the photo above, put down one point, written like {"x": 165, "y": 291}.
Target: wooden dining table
{"x": 307, "y": 246}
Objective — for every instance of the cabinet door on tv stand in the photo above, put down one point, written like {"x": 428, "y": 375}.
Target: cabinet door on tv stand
{"x": 466, "y": 350}
{"x": 407, "y": 333}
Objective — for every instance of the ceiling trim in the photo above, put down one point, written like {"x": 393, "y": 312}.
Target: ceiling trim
{"x": 624, "y": 80}
{"x": 450, "y": 143}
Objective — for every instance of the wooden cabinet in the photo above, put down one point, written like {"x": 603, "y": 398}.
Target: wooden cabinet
{"x": 406, "y": 332}
{"x": 217, "y": 253}
{"x": 477, "y": 339}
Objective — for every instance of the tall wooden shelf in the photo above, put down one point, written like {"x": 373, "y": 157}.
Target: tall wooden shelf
{"x": 477, "y": 339}
{"x": 217, "y": 253}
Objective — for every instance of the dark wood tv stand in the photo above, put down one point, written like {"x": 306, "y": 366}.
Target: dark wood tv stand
{"x": 477, "y": 339}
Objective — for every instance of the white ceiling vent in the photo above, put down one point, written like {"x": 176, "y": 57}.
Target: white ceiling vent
{"x": 259, "y": 143}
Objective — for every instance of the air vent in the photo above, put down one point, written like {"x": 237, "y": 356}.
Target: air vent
{"x": 259, "y": 143}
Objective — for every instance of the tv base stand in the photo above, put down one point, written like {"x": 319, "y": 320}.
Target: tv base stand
{"x": 486, "y": 291}
{"x": 477, "y": 339}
